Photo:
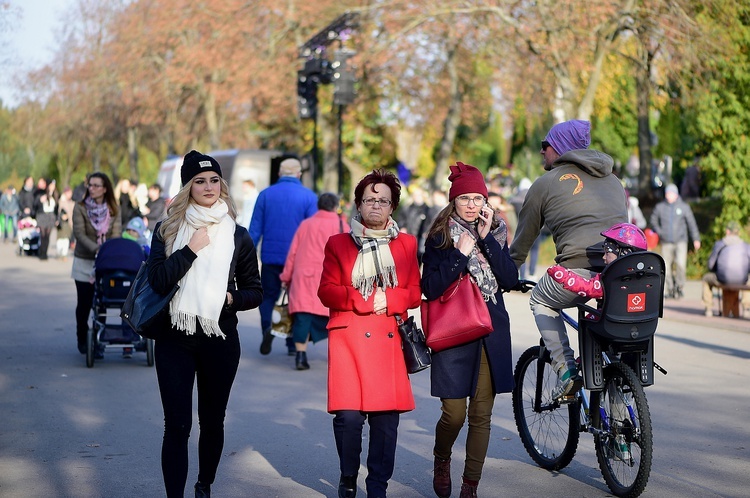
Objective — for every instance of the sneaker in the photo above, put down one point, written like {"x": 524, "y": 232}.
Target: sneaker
{"x": 265, "y": 345}
{"x": 619, "y": 449}
{"x": 567, "y": 384}
{"x": 709, "y": 313}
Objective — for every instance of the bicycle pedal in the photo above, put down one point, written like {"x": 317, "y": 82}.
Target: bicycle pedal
{"x": 566, "y": 400}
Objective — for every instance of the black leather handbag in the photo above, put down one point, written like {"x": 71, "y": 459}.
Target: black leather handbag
{"x": 416, "y": 353}
{"x": 144, "y": 308}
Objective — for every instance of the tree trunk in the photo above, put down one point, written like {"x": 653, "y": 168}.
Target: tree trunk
{"x": 133, "y": 153}
{"x": 452, "y": 121}
{"x": 643, "y": 96}
{"x": 212, "y": 122}
{"x": 328, "y": 130}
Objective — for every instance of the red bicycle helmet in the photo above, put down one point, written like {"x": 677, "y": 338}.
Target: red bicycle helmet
{"x": 627, "y": 235}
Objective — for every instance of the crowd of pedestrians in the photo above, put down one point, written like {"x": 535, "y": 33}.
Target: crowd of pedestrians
{"x": 349, "y": 276}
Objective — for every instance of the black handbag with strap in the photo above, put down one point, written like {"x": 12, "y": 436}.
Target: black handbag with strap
{"x": 416, "y": 353}
{"x": 144, "y": 308}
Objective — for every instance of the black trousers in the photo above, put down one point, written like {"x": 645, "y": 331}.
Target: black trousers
{"x": 381, "y": 454}
{"x": 85, "y": 291}
{"x": 180, "y": 360}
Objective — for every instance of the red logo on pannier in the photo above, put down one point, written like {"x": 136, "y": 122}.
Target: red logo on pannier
{"x": 636, "y": 302}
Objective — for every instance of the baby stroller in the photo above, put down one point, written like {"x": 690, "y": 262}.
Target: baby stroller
{"x": 29, "y": 237}
{"x": 116, "y": 265}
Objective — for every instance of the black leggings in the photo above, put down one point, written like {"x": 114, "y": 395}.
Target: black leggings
{"x": 179, "y": 360}
{"x": 85, "y": 291}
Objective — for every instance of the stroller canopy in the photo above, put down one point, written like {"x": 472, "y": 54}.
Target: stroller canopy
{"x": 119, "y": 254}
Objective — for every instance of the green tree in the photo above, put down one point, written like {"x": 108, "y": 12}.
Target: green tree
{"x": 723, "y": 115}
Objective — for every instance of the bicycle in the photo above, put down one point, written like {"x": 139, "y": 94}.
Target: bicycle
{"x": 616, "y": 364}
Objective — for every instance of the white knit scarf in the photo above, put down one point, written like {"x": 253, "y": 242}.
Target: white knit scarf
{"x": 203, "y": 289}
{"x": 374, "y": 264}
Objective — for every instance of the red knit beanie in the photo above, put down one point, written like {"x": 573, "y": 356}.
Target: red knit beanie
{"x": 466, "y": 179}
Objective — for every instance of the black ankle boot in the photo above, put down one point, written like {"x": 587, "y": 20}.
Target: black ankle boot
{"x": 348, "y": 486}
{"x": 202, "y": 490}
{"x": 301, "y": 361}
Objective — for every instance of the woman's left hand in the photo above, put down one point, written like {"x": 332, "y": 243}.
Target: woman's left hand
{"x": 485, "y": 221}
{"x": 379, "y": 303}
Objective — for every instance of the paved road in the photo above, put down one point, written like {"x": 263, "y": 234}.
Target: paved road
{"x": 70, "y": 431}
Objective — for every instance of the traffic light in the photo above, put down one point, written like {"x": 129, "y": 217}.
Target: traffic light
{"x": 307, "y": 96}
{"x": 343, "y": 78}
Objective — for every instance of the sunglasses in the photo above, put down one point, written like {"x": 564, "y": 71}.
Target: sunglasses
{"x": 545, "y": 144}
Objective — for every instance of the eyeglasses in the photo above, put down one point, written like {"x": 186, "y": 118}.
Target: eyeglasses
{"x": 545, "y": 144}
{"x": 96, "y": 185}
{"x": 380, "y": 202}
{"x": 463, "y": 200}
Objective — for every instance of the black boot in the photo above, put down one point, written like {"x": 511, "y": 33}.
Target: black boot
{"x": 202, "y": 490}
{"x": 301, "y": 361}
{"x": 348, "y": 486}
{"x": 265, "y": 345}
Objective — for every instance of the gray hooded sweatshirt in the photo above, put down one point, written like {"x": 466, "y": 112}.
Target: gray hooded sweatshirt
{"x": 577, "y": 199}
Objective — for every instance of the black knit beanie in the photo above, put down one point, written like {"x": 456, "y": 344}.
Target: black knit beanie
{"x": 194, "y": 163}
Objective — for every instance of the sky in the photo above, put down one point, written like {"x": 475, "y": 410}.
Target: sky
{"x": 30, "y": 41}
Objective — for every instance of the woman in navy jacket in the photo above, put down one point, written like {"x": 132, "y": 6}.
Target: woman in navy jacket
{"x": 200, "y": 247}
{"x": 465, "y": 238}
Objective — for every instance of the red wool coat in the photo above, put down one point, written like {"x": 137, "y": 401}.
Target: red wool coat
{"x": 366, "y": 369}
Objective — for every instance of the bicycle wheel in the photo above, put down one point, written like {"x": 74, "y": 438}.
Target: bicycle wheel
{"x": 549, "y": 431}
{"x": 624, "y": 443}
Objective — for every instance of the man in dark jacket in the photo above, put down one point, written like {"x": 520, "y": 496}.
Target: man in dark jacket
{"x": 156, "y": 206}
{"x": 278, "y": 212}
{"x": 672, "y": 220}
{"x": 577, "y": 199}
{"x": 26, "y": 198}
{"x": 729, "y": 263}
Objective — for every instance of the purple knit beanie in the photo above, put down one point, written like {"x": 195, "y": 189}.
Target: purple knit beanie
{"x": 570, "y": 135}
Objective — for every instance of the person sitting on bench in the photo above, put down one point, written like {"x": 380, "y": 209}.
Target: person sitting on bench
{"x": 728, "y": 264}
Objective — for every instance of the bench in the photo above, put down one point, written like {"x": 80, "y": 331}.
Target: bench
{"x": 729, "y": 299}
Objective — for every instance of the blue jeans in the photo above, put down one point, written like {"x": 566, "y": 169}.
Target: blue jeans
{"x": 271, "y": 283}
{"x": 546, "y": 299}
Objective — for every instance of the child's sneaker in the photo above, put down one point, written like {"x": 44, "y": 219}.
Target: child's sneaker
{"x": 567, "y": 383}
{"x": 620, "y": 450}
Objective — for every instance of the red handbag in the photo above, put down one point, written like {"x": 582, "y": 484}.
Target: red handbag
{"x": 458, "y": 317}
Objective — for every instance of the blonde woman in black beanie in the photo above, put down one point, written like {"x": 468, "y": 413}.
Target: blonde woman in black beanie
{"x": 465, "y": 238}
{"x": 213, "y": 260}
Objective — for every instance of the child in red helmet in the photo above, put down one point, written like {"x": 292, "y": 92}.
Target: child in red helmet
{"x": 620, "y": 239}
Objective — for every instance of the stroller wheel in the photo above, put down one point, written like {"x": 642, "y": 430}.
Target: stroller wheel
{"x": 150, "y": 352}
{"x": 90, "y": 344}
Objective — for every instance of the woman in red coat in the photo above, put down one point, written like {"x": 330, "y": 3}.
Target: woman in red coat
{"x": 370, "y": 276}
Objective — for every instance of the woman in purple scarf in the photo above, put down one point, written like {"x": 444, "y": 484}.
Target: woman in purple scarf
{"x": 95, "y": 219}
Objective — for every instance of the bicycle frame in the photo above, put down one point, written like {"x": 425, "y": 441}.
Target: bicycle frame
{"x": 583, "y": 398}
